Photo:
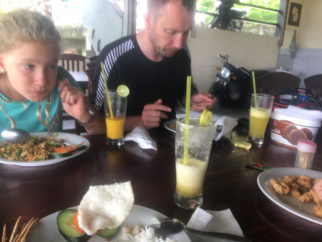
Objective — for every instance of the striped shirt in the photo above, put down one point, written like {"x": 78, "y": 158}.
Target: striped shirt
{"x": 124, "y": 63}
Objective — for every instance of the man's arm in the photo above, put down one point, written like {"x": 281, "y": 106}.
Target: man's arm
{"x": 151, "y": 117}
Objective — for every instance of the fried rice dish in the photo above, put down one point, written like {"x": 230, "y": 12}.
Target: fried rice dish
{"x": 34, "y": 149}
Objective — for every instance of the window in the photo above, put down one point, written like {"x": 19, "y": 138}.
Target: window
{"x": 82, "y": 24}
{"x": 264, "y": 17}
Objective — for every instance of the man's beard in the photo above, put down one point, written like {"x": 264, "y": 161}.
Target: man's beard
{"x": 164, "y": 51}
{"x": 159, "y": 50}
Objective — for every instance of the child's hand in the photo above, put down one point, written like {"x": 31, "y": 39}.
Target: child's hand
{"x": 73, "y": 100}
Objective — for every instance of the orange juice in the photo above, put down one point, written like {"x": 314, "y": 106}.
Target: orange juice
{"x": 114, "y": 127}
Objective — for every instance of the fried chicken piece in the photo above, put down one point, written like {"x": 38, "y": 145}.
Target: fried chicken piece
{"x": 295, "y": 193}
{"x": 288, "y": 180}
{"x": 295, "y": 185}
{"x": 305, "y": 181}
{"x": 317, "y": 211}
{"x": 280, "y": 187}
{"x": 305, "y": 177}
{"x": 305, "y": 197}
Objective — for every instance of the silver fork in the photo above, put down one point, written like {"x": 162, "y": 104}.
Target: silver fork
{"x": 53, "y": 125}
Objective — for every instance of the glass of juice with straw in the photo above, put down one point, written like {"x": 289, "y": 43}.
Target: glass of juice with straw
{"x": 115, "y": 114}
{"x": 260, "y": 111}
{"x": 191, "y": 161}
{"x": 192, "y": 148}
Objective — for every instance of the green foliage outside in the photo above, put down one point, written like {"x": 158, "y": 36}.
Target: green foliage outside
{"x": 252, "y": 13}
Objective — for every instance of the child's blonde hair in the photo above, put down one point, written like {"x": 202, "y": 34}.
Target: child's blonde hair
{"x": 23, "y": 25}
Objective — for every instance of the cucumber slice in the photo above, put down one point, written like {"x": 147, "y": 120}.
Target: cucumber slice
{"x": 67, "y": 229}
{"x": 108, "y": 233}
{"x": 59, "y": 155}
{"x": 69, "y": 153}
{"x": 82, "y": 147}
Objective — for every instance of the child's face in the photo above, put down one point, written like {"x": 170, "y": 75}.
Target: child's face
{"x": 31, "y": 71}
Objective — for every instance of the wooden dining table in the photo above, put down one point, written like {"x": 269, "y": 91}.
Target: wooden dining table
{"x": 229, "y": 184}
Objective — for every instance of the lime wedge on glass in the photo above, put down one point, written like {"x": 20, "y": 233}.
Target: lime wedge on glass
{"x": 206, "y": 117}
{"x": 122, "y": 90}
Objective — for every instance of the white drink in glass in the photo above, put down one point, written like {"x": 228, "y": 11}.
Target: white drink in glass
{"x": 186, "y": 186}
{"x": 193, "y": 145}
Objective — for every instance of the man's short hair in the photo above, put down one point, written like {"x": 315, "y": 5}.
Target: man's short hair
{"x": 155, "y": 5}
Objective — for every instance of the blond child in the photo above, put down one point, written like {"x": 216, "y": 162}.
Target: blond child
{"x": 33, "y": 88}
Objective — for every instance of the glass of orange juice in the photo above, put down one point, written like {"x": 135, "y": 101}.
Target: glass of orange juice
{"x": 191, "y": 168}
{"x": 260, "y": 111}
{"x": 115, "y": 113}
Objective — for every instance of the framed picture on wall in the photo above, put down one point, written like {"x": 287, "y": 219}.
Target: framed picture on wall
{"x": 294, "y": 14}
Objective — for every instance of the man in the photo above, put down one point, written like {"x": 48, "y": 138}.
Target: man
{"x": 154, "y": 64}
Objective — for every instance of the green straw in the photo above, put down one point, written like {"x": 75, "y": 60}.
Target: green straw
{"x": 186, "y": 131}
{"x": 254, "y": 88}
{"x": 107, "y": 93}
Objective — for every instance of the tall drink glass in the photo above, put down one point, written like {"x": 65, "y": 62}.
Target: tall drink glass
{"x": 115, "y": 121}
{"x": 190, "y": 173}
{"x": 260, "y": 111}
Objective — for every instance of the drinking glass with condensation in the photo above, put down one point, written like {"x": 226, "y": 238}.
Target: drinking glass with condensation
{"x": 191, "y": 167}
{"x": 115, "y": 113}
{"x": 260, "y": 111}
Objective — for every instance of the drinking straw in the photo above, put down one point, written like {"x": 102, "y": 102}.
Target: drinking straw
{"x": 186, "y": 131}
{"x": 254, "y": 88}
{"x": 106, "y": 92}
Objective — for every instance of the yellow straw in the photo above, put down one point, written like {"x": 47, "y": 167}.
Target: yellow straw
{"x": 254, "y": 88}
{"x": 186, "y": 131}
{"x": 106, "y": 92}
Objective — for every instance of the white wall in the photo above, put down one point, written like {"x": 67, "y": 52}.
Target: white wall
{"x": 247, "y": 50}
{"x": 310, "y": 29}
{"x": 307, "y": 60}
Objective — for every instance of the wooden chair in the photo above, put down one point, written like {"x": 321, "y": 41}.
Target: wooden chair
{"x": 76, "y": 65}
{"x": 314, "y": 84}
{"x": 90, "y": 71}
{"x": 274, "y": 82}
{"x": 72, "y": 62}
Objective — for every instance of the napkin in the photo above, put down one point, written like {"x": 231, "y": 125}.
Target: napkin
{"x": 223, "y": 124}
{"x": 223, "y": 127}
{"x": 142, "y": 137}
{"x": 216, "y": 221}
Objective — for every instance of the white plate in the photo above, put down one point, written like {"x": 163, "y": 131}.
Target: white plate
{"x": 289, "y": 203}
{"x": 170, "y": 125}
{"x": 69, "y": 139}
{"x": 47, "y": 230}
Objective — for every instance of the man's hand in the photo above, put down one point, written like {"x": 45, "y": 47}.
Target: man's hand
{"x": 153, "y": 113}
{"x": 200, "y": 101}
{"x": 73, "y": 101}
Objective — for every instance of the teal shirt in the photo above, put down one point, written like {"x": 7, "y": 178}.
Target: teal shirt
{"x": 34, "y": 116}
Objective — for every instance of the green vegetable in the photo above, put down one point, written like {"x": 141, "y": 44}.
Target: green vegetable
{"x": 59, "y": 155}
{"x": 108, "y": 233}
{"x": 67, "y": 229}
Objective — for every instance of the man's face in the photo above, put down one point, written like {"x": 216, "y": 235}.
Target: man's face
{"x": 168, "y": 33}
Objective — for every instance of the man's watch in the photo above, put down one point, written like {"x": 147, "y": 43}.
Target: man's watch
{"x": 91, "y": 117}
